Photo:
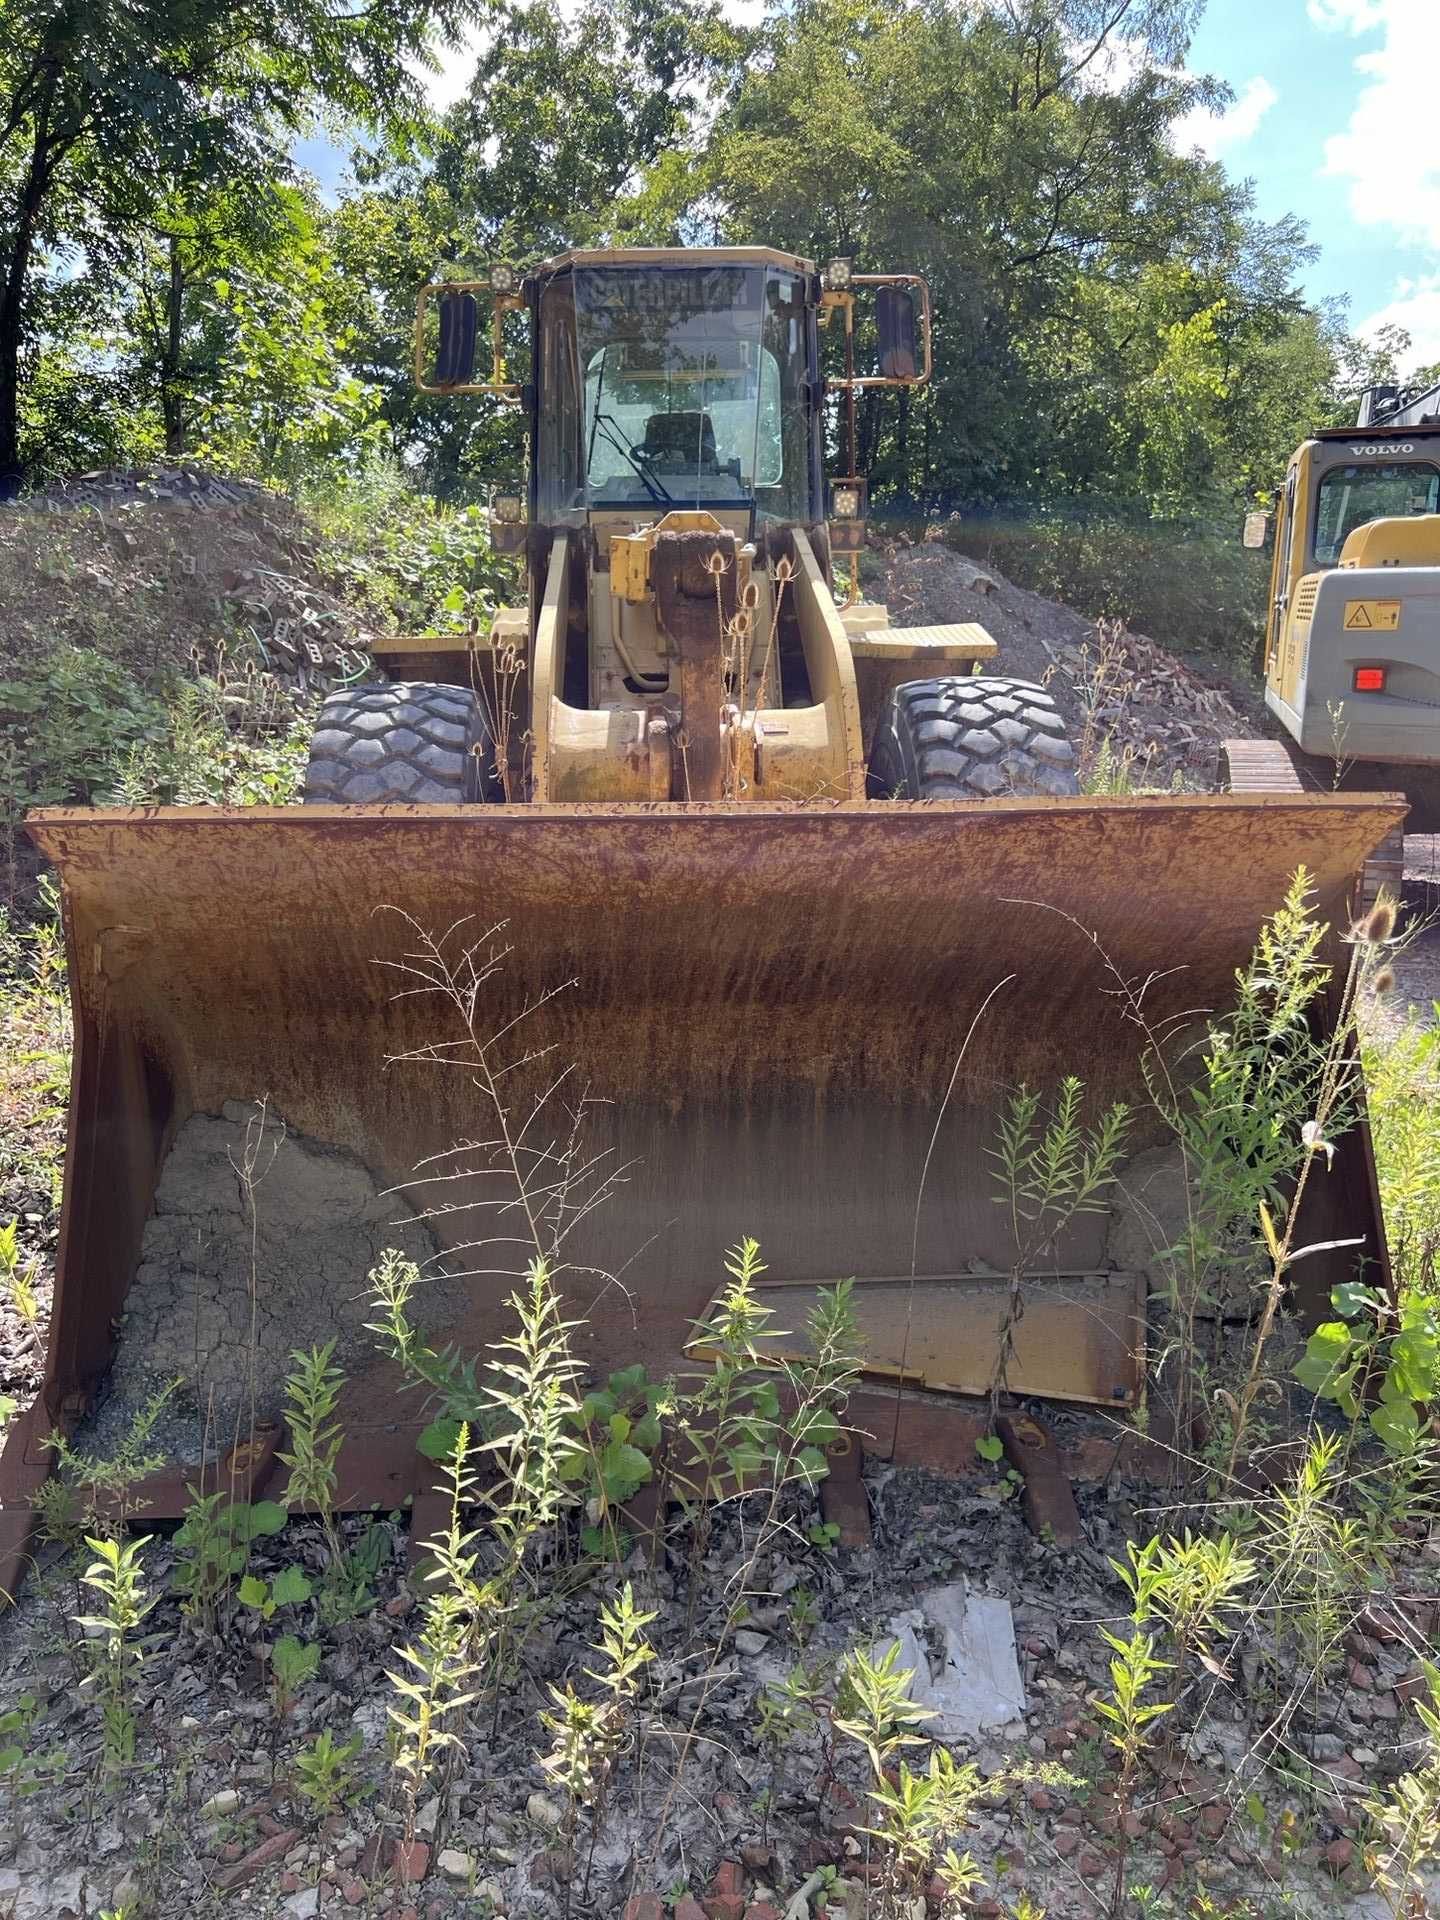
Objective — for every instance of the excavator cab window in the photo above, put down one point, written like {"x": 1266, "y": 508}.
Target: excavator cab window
{"x": 1352, "y": 496}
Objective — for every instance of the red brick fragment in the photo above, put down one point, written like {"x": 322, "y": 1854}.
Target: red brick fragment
{"x": 412, "y": 1861}
{"x": 274, "y": 1848}
{"x": 1338, "y": 1856}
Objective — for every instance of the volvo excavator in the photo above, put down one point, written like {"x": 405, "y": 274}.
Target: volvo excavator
{"x": 692, "y": 878}
{"x": 1352, "y": 633}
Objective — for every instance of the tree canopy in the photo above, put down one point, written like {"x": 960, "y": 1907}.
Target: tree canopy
{"x": 1114, "y": 322}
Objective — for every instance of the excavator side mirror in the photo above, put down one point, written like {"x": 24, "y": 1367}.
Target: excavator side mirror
{"x": 1255, "y": 534}
{"x": 899, "y": 335}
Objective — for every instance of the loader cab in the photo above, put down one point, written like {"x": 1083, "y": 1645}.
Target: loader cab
{"x": 675, "y": 382}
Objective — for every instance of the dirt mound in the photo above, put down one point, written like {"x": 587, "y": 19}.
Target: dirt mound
{"x": 156, "y": 567}
{"x": 1127, "y": 701}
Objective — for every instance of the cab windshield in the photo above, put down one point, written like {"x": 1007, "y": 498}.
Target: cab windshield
{"x": 694, "y": 384}
{"x": 1351, "y": 497}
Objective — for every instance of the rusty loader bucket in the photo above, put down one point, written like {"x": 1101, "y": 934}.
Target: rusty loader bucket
{"x": 740, "y": 1020}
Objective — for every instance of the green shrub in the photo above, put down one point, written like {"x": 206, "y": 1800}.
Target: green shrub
{"x": 235, "y": 742}
{"x": 68, "y": 719}
{"x": 422, "y": 565}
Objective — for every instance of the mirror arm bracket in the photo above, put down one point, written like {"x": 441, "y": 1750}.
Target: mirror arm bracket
{"x": 912, "y": 280}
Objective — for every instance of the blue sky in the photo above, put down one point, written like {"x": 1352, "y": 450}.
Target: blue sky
{"x": 1336, "y": 118}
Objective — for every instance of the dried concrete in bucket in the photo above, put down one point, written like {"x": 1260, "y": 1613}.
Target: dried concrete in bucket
{"x": 321, "y": 1221}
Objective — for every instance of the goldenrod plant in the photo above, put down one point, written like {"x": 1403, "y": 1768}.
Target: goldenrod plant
{"x": 1053, "y": 1167}
{"x": 1407, "y": 1818}
{"x": 115, "y": 1575}
{"x": 440, "y": 1663}
{"x": 312, "y": 1393}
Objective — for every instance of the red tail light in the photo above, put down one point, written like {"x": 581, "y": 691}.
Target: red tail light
{"x": 1369, "y": 679}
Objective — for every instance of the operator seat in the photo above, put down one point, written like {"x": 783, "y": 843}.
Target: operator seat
{"x": 680, "y": 443}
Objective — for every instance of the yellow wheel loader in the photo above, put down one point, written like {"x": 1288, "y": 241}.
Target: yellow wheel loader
{"x": 1352, "y": 636}
{"x": 694, "y": 901}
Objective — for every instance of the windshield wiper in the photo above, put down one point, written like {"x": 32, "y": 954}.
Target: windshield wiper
{"x": 617, "y": 440}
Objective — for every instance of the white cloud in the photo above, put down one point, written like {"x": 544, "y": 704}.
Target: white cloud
{"x": 1388, "y": 152}
{"x": 1215, "y": 132}
{"x": 1354, "y": 16}
{"x": 1416, "y": 308}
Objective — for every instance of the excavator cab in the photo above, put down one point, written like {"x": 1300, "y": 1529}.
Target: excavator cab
{"x": 1352, "y": 645}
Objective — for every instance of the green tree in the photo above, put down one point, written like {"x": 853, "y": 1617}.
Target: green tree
{"x": 110, "y": 107}
{"x": 566, "y": 109}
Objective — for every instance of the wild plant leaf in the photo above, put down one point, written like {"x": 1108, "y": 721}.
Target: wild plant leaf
{"x": 292, "y": 1660}
{"x": 265, "y": 1517}
{"x": 990, "y": 1447}
{"x": 253, "y": 1592}
{"x": 1414, "y": 1355}
{"x": 619, "y": 1426}
{"x": 1396, "y": 1425}
{"x": 628, "y": 1383}
{"x": 1267, "y": 1227}
{"x": 623, "y": 1470}
{"x": 1322, "y": 1246}
{"x": 290, "y": 1588}
{"x": 437, "y": 1441}
{"x": 816, "y": 1427}
{"x": 1324, "y": 1358}
{"x": 1352, "y": 1298}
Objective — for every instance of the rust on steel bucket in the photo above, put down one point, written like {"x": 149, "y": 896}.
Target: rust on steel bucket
{"x": 764, "y": 1004}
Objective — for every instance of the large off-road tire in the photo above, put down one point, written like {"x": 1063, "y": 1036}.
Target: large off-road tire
{"x": 402, "y": 740}
{"x": 970, "y": 738}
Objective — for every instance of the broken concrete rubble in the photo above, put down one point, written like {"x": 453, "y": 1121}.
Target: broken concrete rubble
{"x": 974, "y": 1684}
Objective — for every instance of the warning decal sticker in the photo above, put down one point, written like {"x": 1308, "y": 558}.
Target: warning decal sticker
{"x": 1372, "y": 616}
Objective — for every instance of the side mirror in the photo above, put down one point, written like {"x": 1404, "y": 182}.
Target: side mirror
{"x": 902, "y": 324}
{"x": 899, "y": 336}
{"x": 454, "y": 329}
{"x": 455, "y": 357}
{"x": 1255, "y": 534}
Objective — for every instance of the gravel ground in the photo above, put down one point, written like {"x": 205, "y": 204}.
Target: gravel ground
{"x": 210, "y": 1817}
